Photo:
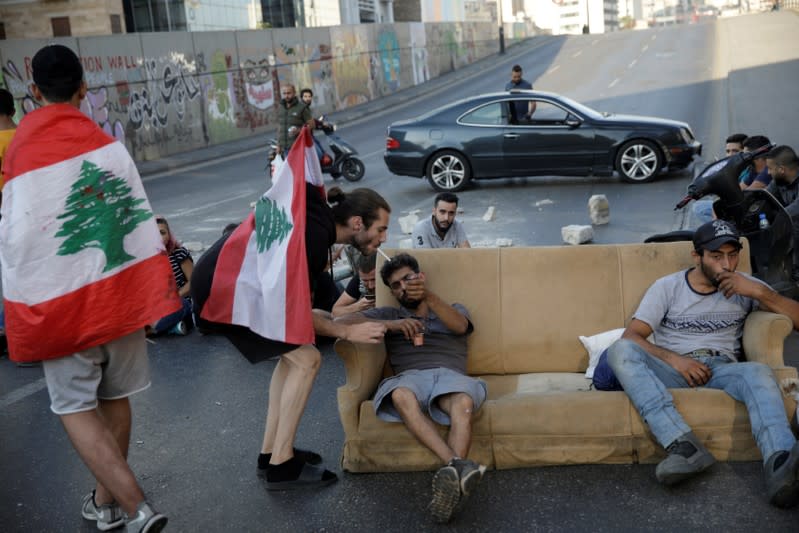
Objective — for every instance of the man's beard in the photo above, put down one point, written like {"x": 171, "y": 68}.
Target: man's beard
{"x": 710, "y": 275}
{"x": 360, "y": 244}
{"x": 408, "y": 304}
{"x": 439, "y": 227}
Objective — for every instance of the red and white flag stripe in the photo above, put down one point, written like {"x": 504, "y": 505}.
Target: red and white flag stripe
{"x": 262, "y": 282}
{"x": 58, "y": 302}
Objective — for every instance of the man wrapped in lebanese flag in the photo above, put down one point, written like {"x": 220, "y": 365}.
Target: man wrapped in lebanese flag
{"x": 84, "y": 270}
{"x": 83, "y": 262}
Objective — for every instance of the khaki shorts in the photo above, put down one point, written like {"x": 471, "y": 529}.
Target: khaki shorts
{"x": 111, "y": 371}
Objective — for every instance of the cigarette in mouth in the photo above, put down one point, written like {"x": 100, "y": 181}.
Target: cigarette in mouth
{"x": 385, "y": 256}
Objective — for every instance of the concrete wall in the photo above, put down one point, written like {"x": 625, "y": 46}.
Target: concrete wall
{"x": 164, "y": 93}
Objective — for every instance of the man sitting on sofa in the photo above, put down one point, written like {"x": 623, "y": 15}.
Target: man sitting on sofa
{"x": 426, "y": 346}
{"x": 697, "y": 318}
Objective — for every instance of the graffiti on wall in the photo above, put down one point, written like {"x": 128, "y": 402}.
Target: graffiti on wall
{"x": 183, "y": 98}
{"x": 389, "y": 49}
{"x": 352, "y": 70}
{"x": 254, "y": 94}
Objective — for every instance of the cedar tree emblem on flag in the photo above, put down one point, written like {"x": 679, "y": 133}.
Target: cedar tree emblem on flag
{"x": 271, "y": 223}
{"x": 100, "y": 212}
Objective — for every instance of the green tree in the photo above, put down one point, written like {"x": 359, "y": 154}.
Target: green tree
{"x": 271, "y": 223}
{"x": 99, "y": 213}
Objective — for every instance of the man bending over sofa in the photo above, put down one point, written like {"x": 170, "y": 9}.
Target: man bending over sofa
{"x": 426, "y": 346}
{"x": 697, "y": 318}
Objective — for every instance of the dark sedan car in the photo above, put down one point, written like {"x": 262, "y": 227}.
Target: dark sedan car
{"x": 534, "y": 133}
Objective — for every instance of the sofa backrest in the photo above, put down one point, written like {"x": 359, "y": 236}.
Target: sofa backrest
{"x": 529, "y": 305}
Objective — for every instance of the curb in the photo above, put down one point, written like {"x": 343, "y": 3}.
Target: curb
{"x": 259, "y": 141}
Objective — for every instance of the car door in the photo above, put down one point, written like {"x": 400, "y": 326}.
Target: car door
{"x": 479, "y": 132}
{"x": 543, "y": 137}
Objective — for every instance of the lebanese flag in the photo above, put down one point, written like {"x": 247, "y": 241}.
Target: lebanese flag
{"x": 82, "y": 260}
{"x": 261, "y": 276}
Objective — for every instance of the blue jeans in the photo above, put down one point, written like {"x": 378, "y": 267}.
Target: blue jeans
{"x": 645, "y": 379}
{"x": 170, "y": 321}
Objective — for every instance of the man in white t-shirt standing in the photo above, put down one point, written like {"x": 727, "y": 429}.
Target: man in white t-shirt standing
{"x": 441, "y": 230}
{"x": 696, "y": 318}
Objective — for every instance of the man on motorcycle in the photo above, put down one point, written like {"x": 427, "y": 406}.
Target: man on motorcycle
{"x": 292, "y": 115}
{"x": 783, "y": 165}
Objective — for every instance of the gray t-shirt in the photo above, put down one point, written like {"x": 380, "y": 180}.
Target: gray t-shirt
{"x": 425, "y": 235}
{"x": 683, "y": 320}
{"x": 442, "y": 348}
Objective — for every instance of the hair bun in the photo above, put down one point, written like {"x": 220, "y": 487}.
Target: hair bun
{"x": 335, "y": 196}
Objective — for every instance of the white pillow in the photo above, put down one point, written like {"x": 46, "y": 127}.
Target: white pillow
{"x": 596, "y": 344}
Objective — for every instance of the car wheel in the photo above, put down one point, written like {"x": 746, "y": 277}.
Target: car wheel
{"x": 448, "y": 171}
{"x": 639, "y": 161}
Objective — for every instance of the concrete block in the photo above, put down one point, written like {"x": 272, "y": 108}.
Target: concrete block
{"x": 407, "y": 223}
{"x": 194, "y": 246}
{"x": 406, "y": 244}
{"x": 503, "y": 242}
{"x": 599, "y": 209}
{"x": 576, "y": 234}
{"x": 489, "y": 214}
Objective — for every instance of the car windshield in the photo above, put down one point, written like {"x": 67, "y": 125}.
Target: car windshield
{"x": 580, "y": 108}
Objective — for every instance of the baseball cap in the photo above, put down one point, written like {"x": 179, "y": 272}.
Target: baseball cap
{"x": 714, "y": 234}
{"x": 56, "y": 66}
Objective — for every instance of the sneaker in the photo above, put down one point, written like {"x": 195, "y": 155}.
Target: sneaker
{"x": 179, "y": 329}
{"x": 687, "y": 457}
{"x": 469, "y": 473}
{"x": 446, "y": 494}
{"x": 146, "y": 520}
{"x": 108, "y": 516}
{"x": 782, "y": 478}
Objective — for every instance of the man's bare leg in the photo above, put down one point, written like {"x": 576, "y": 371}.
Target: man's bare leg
{"x": 117, "y": 418}
{"x": 418, "y": 424}
{"x": 302, "y": 365}
{"x": 273, "y": 407}
{"x": 96, "y": 445}
{"x": 459, "y": 407}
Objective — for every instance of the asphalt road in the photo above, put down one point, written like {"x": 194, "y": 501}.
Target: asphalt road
{"x": 197, "y": 430}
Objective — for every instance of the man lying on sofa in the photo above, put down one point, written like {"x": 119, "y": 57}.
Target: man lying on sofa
{"x": 426, "y": 346}
{"x": 697, "y": 318}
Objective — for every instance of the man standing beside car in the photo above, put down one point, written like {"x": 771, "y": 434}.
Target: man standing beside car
{"x": 522, "y": 110}
{"x": 441, "y": 230}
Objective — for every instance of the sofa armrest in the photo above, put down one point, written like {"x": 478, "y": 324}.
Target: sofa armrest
{"x": 764, "y": 337}
{"x": 363, "y": 364}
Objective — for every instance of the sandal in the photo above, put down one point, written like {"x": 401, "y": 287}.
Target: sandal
{"x": 311, "y": 476}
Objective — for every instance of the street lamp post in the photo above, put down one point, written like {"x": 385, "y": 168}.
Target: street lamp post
{"x": 501, "y": 28}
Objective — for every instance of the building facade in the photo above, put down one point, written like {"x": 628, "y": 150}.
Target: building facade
{"x": 191, "y": 15}
{"x": 25, "y": 19}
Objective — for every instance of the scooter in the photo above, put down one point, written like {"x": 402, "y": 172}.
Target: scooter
{"x": 756, "y": 213}
{"x": 344, "y": 161}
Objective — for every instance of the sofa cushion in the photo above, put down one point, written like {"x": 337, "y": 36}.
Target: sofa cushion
{"x": 549, "y": 297}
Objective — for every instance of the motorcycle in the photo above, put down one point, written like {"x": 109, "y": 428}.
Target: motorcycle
{"x": 756, "y": 213}
{"x": 344, "y": 160}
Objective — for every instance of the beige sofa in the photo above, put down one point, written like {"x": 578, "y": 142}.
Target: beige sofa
{"x": 528, "y": 306}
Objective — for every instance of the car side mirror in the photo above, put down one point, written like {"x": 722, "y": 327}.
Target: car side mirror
{"x": 573, "y": 122}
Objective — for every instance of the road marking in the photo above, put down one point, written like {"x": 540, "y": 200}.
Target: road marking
{"x": 654, "y": 36}
{"x": 645, "y": 48}
{"x": 212, "y": 204}
{"x": 577, "y": 53}
{"x": 553, "y": 69}
{"x": 22, "y": 393}
{"x": 631, "y": 65}
{"x": 376, "y": 152}
{"x": 614, "y": 82}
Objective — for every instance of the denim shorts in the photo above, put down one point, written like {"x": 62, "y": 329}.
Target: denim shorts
{"x": 428, "y": 385}
{"x": 110, "y": 371}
